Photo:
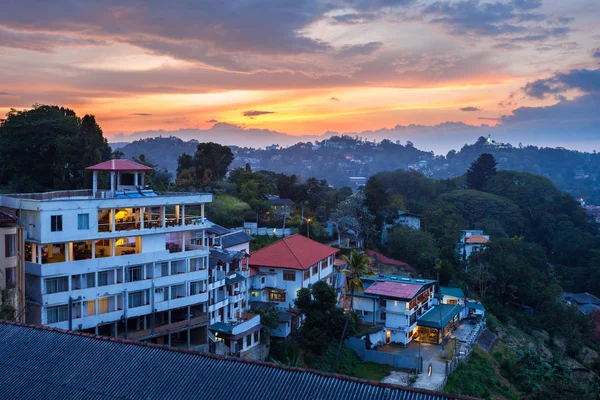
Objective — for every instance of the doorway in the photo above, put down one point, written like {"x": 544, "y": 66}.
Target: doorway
{"x": 388, "y": 336}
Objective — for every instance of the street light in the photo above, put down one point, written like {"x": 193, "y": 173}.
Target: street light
{"x": 307, "y": 226}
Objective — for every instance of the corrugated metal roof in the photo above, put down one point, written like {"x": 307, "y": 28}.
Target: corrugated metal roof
{"x": 394, "y": 289}
{"x": 45, "y": 363}
{"x": 235, "y": 238}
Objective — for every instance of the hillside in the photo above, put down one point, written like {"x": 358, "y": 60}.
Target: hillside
{"x": 341, "y": 157}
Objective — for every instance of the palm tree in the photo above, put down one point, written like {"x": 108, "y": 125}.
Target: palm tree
{"x": 357, "y": 266}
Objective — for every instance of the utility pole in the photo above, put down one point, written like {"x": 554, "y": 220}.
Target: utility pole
{"x": 438, "y": 267}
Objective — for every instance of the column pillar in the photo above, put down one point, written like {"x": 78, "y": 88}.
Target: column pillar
{"x": 39, "y": 253}
{"x": 135, "y": 179}
{"x": 183, "y": 241}
{"x": 94, "y": 183}
{"x": 93, "y": 249}
{"x": 177, "y": 212}
{"x": 163, "y": 219}
{"x": 183, "y": 214}
{"x": 112, "y": 247}
{"x": 112, "y": 219}
{"x": 202, "y": 211}
{"x": 142, "y": 212}
{"x": 112, "y": 182}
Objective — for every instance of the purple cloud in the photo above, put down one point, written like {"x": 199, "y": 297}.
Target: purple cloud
{"x": 256, "y": 113}
{"x": 470, "y": 109}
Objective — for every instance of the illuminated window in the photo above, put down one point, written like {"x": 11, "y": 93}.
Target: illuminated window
{"x": 277, "y": 295}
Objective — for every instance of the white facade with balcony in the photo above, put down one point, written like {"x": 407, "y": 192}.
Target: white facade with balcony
{"x": 397, "y": 313}
{"x": 119, "y": 262}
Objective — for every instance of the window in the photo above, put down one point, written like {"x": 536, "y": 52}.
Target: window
{"x": 255, "y": 294}
{"x": 11, "y": 277}
{"x": 135, "y": 299}
{"x": 134, "y": 274}
{"x": 277, "y": 295}
{"x": 306, "y": 274}
{"x": 453, "y": 302}
{"x": 9, "y": 245}
{"x": 248, "y": 340}
{"x": 315, "y": 269}
{"x": 83, "y": 221}
{"x": 195, "y": 288}
{"x": 255, "y": 336}
{"x": 103, "y": 305}
{"x": 383, "y": 316}
{"x": 90, "y": 280}
{"x": 383, "y": 302}
{"x": 164, "y": 269}
{"x": 57, "y": 285}
{"x": 57, "y": 314}
{"x": 91, "y": 307}
{"x": 289, "y": 276}
{"x": 103, "y": 278}
{"x": 56, "y": 223}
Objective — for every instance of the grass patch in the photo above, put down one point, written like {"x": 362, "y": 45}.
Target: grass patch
{"x": 479, "y": 378}
{"x": 372, "y": 371}
{"x": 348, "y": 363}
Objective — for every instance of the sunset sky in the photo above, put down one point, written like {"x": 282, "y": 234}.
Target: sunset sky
{"x": 302, "y": 67}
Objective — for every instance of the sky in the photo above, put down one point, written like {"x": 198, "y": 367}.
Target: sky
{"x": 309, "y": 67}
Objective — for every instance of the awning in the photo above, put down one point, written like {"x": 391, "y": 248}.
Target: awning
{"x": 433, "y": 317}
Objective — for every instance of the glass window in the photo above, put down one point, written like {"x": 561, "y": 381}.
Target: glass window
{"x": 83, "y": 221}
{"x": 103, "y": 278}
{"x": 90, "y": 280}
{"x": 164, "y": 269}
{"x": 315, "y": 269}
{"x": 134, "y": 274}
{"x": 57, "y": 285}
{"x": 57, "y": 314}
{"x": 56, "y": 223}
{"x": 195, "y": 288}
{"x": 9, "y": 245}
{"x": 103, "y": 305}
{"x": 91, "y": 307}
{"x": 289, "y": 276}
{"x": 11, "y": 277}
{"x": 277, "y": 295}
{"x": 306, "y": 274}
{"x": 248, "y": 340}
{"x": 136, "y": 299}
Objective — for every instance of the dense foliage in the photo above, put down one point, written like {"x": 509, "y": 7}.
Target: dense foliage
{"x": 205, "y": 167}
{"x": 48, "y": 148}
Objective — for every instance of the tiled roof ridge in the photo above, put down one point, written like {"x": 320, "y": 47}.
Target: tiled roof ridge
{"x": 292, "y": 251}
{"x": 220, "y": 357}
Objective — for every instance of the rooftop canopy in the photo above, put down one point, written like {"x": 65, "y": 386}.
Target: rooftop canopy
{"x": 119, "y": 166}
{"x": 432, "y": 318}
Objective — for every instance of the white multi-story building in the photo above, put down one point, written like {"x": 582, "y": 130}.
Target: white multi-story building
{"x": 395, "y": 303}
{"x": 281, "y": 269}
{"x": 124, "y": 261}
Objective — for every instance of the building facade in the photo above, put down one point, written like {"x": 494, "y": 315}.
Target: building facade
{"x": 12, "y": 268}
{"x": 121, "y": 262}
{"x": 395, "y": 303}
{"x": 281, "y": 269}
{"x": 472, "y": 241}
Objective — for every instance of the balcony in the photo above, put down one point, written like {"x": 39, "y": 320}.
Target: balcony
{"x": 218, "y": 305}
{"x": 165, "y": 328}
{"x": 236, "y": 297}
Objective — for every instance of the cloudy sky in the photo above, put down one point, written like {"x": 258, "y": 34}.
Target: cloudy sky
{"x": 304, "y": 67}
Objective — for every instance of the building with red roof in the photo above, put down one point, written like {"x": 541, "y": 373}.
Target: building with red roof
{"x": 288, "y": 265}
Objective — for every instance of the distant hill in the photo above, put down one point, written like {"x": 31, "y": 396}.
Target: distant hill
{"x": 340, "y": 157}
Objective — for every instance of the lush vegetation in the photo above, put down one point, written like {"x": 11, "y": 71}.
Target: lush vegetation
{"x": 48, "y": 148}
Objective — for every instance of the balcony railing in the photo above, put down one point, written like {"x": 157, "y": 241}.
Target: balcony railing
{"x": 161, "y": 329}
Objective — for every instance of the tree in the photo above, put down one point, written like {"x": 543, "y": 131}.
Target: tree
{"x": 356, "y": 266}
{"x": 48, "y": 148}
{"x": 354, "y": 212}
{"x": 208, "y": 165}
{"x": 417, "y": 247}
{"x": 480, "y": 171}
{"x": 324, "y": 321}
{"x": 157, "y": 179}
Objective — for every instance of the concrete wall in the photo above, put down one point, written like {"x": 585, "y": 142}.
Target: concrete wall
{"x": 380, "y": 357}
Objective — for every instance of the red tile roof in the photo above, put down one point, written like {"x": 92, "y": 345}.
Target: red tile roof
{"x": 389, "y": 261}
{"x": 119, "y": 165}
{"x": 294, "y": 252}
{"x": 477, "y": 239}
{"x": 394, "y": 289}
